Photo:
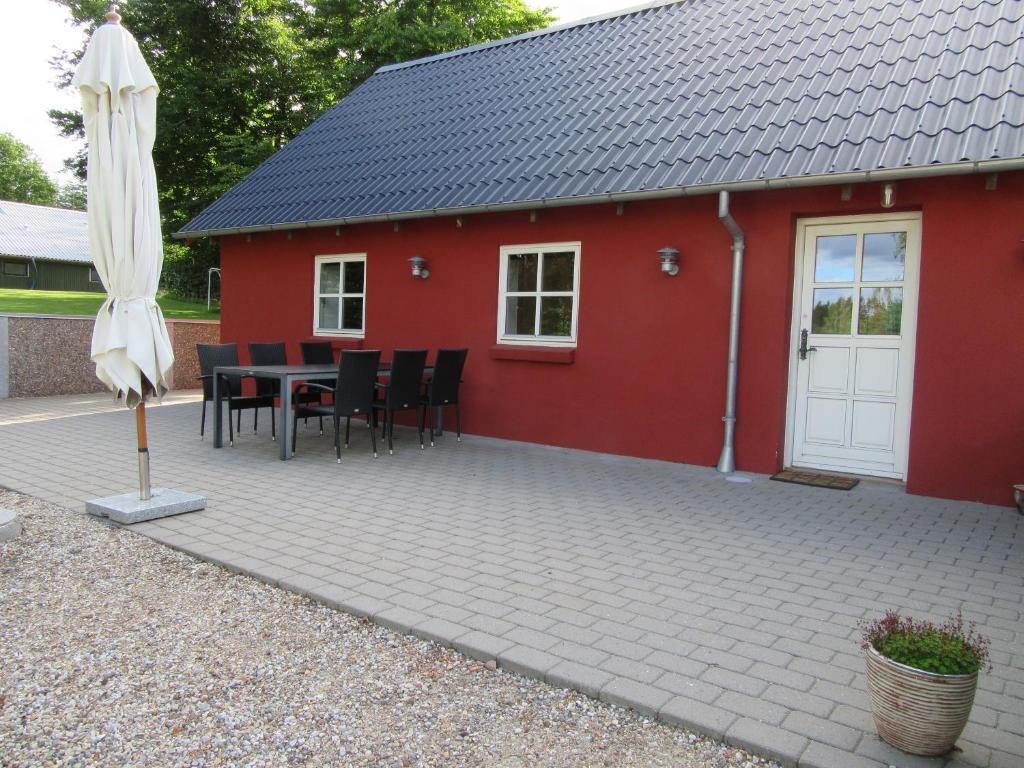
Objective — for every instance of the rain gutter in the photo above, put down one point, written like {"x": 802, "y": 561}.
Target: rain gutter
{"x": 857, "y": 177}
{"x": 727, "y": 460}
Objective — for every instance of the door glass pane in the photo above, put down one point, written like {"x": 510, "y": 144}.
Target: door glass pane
{"x": 881, "y": 311}
{"x": 520, "y": 315}
{"x": 833, "y": 310}
{"x": 834, "y": 257}
{"x": 522, "y": 272}
{"x": 330, "y": 277}
{"x": 352, "y": 314}
{"x": 354, "y": 276}
{"x": 884, "y": 256}
{"x": 556, "y": 316}
{"x": 328, "y": 313}
{"x": 558, "y": 271}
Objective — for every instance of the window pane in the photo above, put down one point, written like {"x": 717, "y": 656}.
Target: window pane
{"x": 522, "y": 272}
{"x": 556, "y": 316}
{"x": 352, "y": 314}
{"x": 884, "y": 256}
{"x": 328, "y": 314}
{"x": 520, "y": 315}
{"x": 833, "y": 310}
{"x": 330, "y": 277}
{"x": 16, "y": 268}
{"x": 558, "y": 272}
{"x": 354, "y": 276}
{"x": 881, "y": 311}
{"x": 834, "y": 258}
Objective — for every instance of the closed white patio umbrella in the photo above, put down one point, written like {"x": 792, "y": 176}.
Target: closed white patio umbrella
{"x": 130, "y": 345}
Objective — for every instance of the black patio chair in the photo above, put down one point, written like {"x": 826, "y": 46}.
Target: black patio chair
{"x": 271, "y": 353}
{"x": 317, "y": 353}
{"x": 212, "y": 356}
{"x": 443, "y": 387}
{"x": 402, "y": 391}
{"x": 352, "y": 395}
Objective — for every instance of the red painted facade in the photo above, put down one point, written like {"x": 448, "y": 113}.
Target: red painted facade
{"x": 647, "y": 377}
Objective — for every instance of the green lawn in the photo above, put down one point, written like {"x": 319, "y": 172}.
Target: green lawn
{"x": 86, "y": 303}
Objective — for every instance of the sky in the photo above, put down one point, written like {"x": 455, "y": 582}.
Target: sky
{"x": 34, "y": 31}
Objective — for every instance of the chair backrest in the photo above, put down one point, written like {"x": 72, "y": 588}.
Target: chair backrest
{"x": 357, "y": 374}
{"x": 444, "y": 382}
{"x": 317, "y": 352}
{"x": 406, "y": 380}
{"x": 272, "y": 353}
{"x": 213, "y": 355}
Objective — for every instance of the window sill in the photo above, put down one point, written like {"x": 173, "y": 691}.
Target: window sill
{"x": 556, "y": 355}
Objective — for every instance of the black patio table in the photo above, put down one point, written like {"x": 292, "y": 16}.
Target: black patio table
{"x": 287, "y": 376}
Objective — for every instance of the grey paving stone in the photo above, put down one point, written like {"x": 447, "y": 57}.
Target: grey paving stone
{"x": 874, "y": 748}
{"x": 528, "y": 662}
{"x": 400, "y": 619}
{"x": 699, "y": 572}
{"x": 480, "y": 645}
{"x": 580, "y": 677}
{"x": 696, "y": 716}
{"x": 818, "y": 755}
{"x": 776, "y": 743}
{"x": 822, "y": 729}
{"x": 752, "y": 707}
{"x": 636, "y": 696}
{"x": 301, "y": 584}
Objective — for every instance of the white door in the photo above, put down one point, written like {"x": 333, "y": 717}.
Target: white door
{"x": 852, "y": 366}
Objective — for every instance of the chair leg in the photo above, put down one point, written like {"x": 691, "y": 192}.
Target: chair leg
{"x": 321, "y": 424}
{"x": 295, "y": 427}
{"x": 337, "y": 436}
{"x": 422, "y": 417}
{"x": 202, "y": 424}
{"x": 348, "y": 429}
{"x": 389, "y": 425}
{"x": 255, "y": 419}
{"x": 273, "y": 423}
{"x": 239, "y": 428}
{"x": 231, "y": 431}
{"x": 373, "y": 436}
{"x": 458, "y": 423}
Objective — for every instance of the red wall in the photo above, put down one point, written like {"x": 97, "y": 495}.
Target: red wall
{"x": 648, "y": 378}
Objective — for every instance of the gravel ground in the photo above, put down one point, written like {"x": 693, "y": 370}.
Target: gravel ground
{"x": 117, "y": 651}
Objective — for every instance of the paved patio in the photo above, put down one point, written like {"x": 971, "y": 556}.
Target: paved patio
{"x": 727, "y": 608}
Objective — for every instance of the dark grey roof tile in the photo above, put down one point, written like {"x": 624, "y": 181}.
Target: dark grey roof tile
{"x": 681, "y": 94}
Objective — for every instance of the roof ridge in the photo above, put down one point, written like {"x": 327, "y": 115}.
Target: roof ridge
{"x": 554, "y": 28}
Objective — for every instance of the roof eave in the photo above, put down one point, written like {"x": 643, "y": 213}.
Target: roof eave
{"x": 851, "y": 177}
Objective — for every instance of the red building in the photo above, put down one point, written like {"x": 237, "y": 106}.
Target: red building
{"x": 863, "y": 174}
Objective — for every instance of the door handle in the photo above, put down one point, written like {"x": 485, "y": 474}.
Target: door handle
{"x": 804, "y": 349}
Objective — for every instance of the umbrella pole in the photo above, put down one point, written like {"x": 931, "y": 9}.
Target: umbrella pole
{"x": 145, "y": 493}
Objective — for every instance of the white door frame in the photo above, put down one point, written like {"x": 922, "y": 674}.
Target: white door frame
{"x": 908, "y": 329}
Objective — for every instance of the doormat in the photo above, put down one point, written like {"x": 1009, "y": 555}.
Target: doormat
{"x": 816, "y": 479}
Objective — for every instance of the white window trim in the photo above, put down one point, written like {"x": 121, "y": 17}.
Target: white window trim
{"x": 94, "y": 273}
{"x": 538, "y": 341}
{"x": 340, "y": 258}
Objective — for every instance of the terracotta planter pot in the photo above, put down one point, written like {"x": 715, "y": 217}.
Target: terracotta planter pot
{"x": 922, "y": 713}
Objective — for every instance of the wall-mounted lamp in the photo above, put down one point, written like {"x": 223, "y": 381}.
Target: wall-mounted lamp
{"x": 419, "y": 267}
{"x": 669, "y": 258}
{"x": 888, "y": 195}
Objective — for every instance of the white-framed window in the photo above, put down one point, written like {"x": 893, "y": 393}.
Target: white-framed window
{"x": 16, "y": 268}
{"x": 538, "y": 294}
{"x": 339, "y": 295}
{"x": 94, "y": 276}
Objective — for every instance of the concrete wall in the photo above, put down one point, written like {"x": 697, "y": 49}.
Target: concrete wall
{"x": 46, "y": 355}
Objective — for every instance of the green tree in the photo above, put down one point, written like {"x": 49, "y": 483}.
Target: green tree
{"x": 22, "y": 177}
{"x": 239, "y": 78}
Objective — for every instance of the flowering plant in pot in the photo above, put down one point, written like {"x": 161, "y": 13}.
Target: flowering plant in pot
{"x": 922, "y": 678}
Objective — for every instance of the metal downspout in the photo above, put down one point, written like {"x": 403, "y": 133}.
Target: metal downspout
{"x": 727, "y": 461}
